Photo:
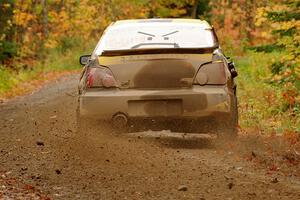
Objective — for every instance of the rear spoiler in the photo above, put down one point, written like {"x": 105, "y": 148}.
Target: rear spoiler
{"x": 158, "y": 51}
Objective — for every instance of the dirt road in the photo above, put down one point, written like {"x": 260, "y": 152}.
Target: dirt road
{"x": 40, "y": 149}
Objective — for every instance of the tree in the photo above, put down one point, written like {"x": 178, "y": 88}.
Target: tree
{"x": 8, "y": 47}
{"x": 283, "y": 20}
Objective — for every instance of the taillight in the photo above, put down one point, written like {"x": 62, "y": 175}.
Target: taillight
{"x": 100, "y": 77}
{"x": 211, "y": 74}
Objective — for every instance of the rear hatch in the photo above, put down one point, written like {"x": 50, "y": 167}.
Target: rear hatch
{"x": 154, "y": 70}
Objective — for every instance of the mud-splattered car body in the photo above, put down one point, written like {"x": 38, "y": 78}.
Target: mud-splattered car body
{"x": 166, "y": 68}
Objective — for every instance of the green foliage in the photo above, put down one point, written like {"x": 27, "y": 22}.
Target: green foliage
{"x": 69, "y": 59}
{"x": 176, "y": 8}
{"x": 5, "y": 80}
{"x": 7, "y": 50}
{"x": 67, "y": 43}
{"x": 56, "y": 61}
{"x": 204, "y": 9}
{"x": 267, "y": 48}
{"x": 262, "y": 106}
{"x": 29, "y": 29}
{"x": 284, "y": 18}
{"x": 280, "y": 16}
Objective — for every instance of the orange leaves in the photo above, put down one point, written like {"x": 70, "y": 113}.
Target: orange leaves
{"x": 23, "y": 19}
{"x": 13, "y": 188}
{"x": 292, "y": 137}
{"x": 23, "y": 15}
{"x": 277, "y": 154}
{"x": 46, "y": 25}
{"x": 281, "y": 23}
{"x": 290, "y": 97}
{"x": 234, "y": 22}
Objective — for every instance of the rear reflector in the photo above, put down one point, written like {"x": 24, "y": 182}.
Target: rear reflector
{"x": 211, "y": 74}
{"x": 100, "y": 77}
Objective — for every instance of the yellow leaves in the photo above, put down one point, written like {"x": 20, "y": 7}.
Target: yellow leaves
{"x": 297, "y": 99}
{"x": 297, "y": 38}
{"x": 60, "y": 22}
{"x": 9, "y": 23}
{"x": 22, "y": 19}
{"x": 264, "y": 34}
{"x": 51, "y": 43}
{"x": 277, "y": 77}
{"x": 287, "y": 72}
{"x": 260, "y": 17}
{"x": 6, "y": 5}
{"x": 288, "y": 24}
{"x": 2, "y": 37}
{"x": 289, "y": 57}
{"x": 84, "y": 18}
{"x": 297, "y": 71}
{"x": 177, "y": 12}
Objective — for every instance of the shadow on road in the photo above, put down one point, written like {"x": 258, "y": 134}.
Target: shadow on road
{"x": 183, "y": 143}
{"x": 175, "y": 140}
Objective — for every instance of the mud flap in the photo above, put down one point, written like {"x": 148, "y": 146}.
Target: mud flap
{"x": 228, "y": 129}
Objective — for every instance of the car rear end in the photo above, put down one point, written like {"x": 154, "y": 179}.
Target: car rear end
{"x": 161, "y": 76}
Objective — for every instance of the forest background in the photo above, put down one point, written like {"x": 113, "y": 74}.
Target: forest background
{"x": 41, "y": 39}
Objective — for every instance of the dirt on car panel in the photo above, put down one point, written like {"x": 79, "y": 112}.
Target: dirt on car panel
{"x": 155, "y": 108}
{"x": 155, "y": 71}
{"x": 164, "y": 74}
{"x": 189, "y": 102}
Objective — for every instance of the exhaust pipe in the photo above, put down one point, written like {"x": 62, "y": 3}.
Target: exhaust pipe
{"x": 120, "y": 121}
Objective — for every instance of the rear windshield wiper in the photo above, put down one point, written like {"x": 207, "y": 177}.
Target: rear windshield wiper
{"x": 144, "y": 44}
{"x": 146, "y": 33}
{"x": 170, "y": 33}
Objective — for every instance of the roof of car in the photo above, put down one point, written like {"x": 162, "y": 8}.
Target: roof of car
{"x": 204, "y": 24}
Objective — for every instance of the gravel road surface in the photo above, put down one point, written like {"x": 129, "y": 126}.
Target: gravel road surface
{"x": 42, "y": 157}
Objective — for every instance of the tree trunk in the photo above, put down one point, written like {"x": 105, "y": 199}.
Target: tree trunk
{"x": 45, "y": 18}
{"x": 195, "y": 8}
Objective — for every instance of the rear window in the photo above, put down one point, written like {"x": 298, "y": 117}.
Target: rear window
{"x": 155, "y": 35}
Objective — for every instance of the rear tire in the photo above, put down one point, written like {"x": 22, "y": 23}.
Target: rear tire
{"x": 228, "y": 129}
{"x": 86, "y": 126}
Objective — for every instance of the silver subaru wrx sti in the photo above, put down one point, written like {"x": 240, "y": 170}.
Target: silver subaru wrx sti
{"x": 160, "y": 70}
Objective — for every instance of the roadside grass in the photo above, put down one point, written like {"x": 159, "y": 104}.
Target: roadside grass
{"x": 55, "y": 64}
{"x": 261, "y": 105}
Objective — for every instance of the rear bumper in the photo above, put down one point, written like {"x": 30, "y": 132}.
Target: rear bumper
{"x": 199, "y": 101}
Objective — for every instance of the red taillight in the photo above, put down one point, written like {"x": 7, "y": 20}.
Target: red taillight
{"x": 100, "y": 77}
{"x": 211, "y": 74}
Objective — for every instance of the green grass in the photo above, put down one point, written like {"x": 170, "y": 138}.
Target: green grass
{"x": 261, "y": 105}
{"x": 56, "y": 61}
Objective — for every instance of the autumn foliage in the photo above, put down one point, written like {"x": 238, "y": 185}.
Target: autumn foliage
{"x": 32, "y": 29}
